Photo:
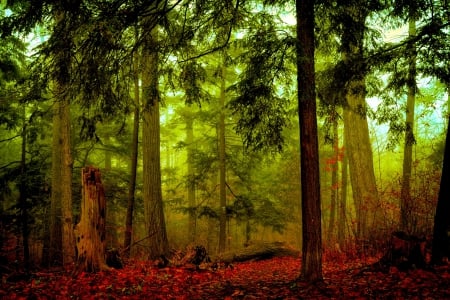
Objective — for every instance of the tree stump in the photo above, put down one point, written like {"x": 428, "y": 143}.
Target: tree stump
{"x": 405, "y": 252}
{"x": 90, "y": 232}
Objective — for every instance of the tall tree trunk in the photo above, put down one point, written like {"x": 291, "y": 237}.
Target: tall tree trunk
{"x": 441, "y": 242}
{"x": 309, "y": 158}
{"x": 406, "y": 213}
{"x": 23, "y": 198}
{"x": 192, "y": 222}
{"x": 68, "y": 239}
{"x": 152, "y": 191}
{"x": 55, "y": 226}
{"x": 61, "y": 77}
{"x": 222, "y": 166}
{"x": 134, "y": 161}
{"x": 334, "y": 180}
{"x": 342, "y": 223}
{"x": 356, "y": 129}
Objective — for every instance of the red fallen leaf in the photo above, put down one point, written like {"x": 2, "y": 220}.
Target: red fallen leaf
{"x": 393, "y": 270}
{"x": 237, "y": 293}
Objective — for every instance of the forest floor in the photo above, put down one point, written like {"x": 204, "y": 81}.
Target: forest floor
{"x": 275, "y": 278}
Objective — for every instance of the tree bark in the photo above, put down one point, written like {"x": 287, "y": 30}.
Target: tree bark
{"x": 55, "y": 227}
{"x": 153, "y": 202}
{"x": 309, "y": 159}
{"x": 134, "y": 160}
{"x": 62, "y": 138}
{"x": 192, "y": 221}
{"x": 66, "y": 182}
{"x": 222, "y": 164}
{"x": 91, "y": 230}
{"x": 356, "y": 129}
{"x": 23, "y": 198}
{"x": 334, "y": 181}
{"x": 441, "y": 240}
{"x": 406, "y": 212}
{"x": 342, "y": 222}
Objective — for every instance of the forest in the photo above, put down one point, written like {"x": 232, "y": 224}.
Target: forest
{"x": 235, "y": 149}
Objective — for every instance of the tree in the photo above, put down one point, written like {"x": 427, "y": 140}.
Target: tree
{"x": 62, "y": 98}
{"x": 133, "y": 158}
{"x": 152, "y": 193}
{"x": 441, "y": 242}
{"x": 222, "y": 160}
{"x": 406, "y": 217}
{"x": 356, "y": 130}
{"x": 309, "y": 149}
{"x": 192, "y": 228}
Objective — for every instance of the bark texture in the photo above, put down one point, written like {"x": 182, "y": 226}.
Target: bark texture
{"x": 133, "y": 167}
{"x": 441, "y": 241}
{"x": 309, "y": 159}
{"x": 406, "y": 209}
{"x": 222, "y": 166}
{"x": 356, "y": 129}
{"x": 91, "y": 230}
{"x": 54, "y": 254}
{"x": 153, "y": 202}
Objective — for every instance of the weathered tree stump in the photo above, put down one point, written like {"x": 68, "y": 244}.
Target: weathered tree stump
{"x": 405, "y": 252}
{"x": 90, "y": 232}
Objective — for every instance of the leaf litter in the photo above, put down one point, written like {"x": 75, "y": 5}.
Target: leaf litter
{"x": 276, "y": 278}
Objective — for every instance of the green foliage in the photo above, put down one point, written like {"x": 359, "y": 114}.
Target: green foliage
{"x": 263, "y": 89}
{"x": 268, "y": 215}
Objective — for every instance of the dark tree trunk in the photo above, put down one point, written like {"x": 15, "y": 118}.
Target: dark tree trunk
{"x": 309, "y": 158}
{"x": 222, "y": 166}
{"x": 90, "y": 232}
{"x": 134, "y": 159}
{"x": 441, "y": 241}
{"x": 23, "y": 201}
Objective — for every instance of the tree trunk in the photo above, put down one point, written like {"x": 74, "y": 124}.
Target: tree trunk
{"x": 342, "y": 222}
{"x": 334, "y": 180}
{"x": 68, "y": 239}
{"x": 222, "y": 165}
{"x": 62, "y": 166}
{"x": 153, "y": 202}
{"x": 192, "y": 221}
{"x": 406, "y": 212}
{"x": 309, "y": 158}
{"x": 55, "y": 226}
{"x": 441, "y": 241}
{"x": 91, "y": 230}
{"x": 356, "y": 129}
{"x": 134, "y": 160}
{"x": 23, "y": 199}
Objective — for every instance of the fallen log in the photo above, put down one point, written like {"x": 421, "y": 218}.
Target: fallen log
{"x": 257, "y": 251}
